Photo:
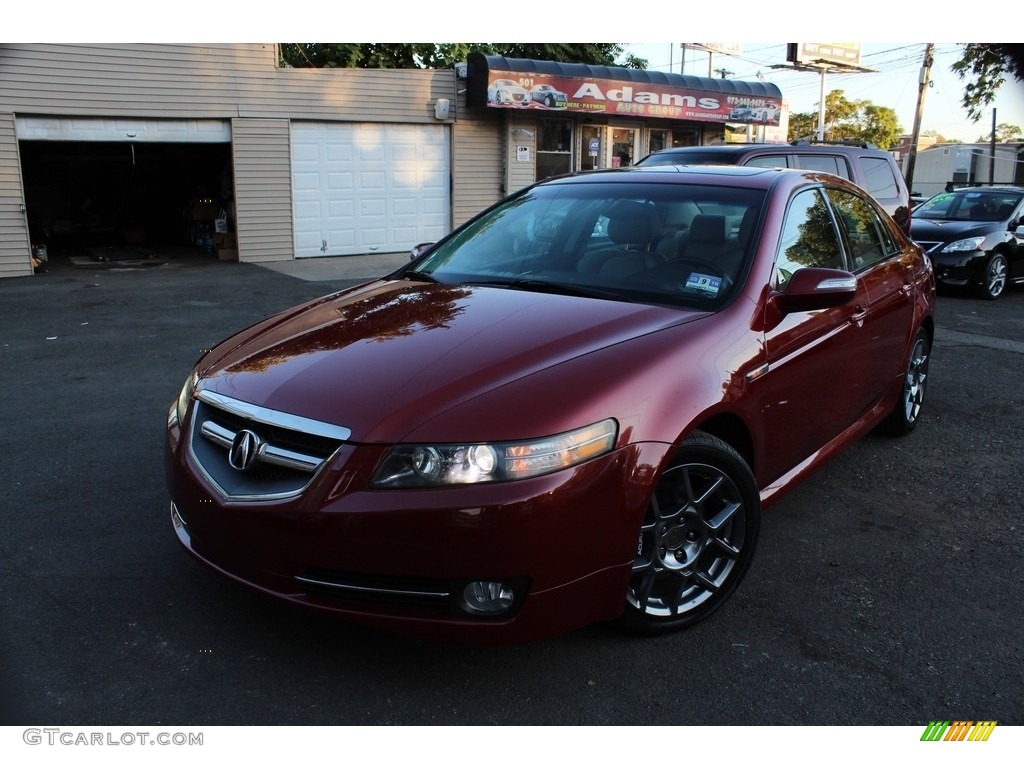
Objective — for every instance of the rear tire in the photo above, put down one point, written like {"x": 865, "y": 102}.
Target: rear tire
{"x": 697, "y": 539}
{"x": 907, "y": 412}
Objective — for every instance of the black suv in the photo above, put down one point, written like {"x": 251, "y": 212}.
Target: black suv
{"x": 870, "y": 168}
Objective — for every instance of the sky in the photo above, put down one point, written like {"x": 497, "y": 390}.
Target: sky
{"x": 894, "y": 83}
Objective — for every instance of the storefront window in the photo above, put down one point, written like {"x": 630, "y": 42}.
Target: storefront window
{"x": 685, "y": 137}
{"x": 554, "y": 148}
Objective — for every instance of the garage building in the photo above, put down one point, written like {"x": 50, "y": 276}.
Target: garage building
{"x": 127, "y": 150}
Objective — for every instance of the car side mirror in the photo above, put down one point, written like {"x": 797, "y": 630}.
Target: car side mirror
{"x": 813, "y": 288}
{"x": 809, "y": 289}
{"x": 419, "y": 250}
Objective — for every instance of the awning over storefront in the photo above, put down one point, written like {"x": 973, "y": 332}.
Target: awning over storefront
{"x": 503, "y": 83}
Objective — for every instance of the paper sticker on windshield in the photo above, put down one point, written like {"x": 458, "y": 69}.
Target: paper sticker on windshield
{"x": 708, "y": 284}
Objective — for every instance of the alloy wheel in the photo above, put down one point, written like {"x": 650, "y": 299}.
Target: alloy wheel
{"x": 995, "y": 277}
{"x": 692, "y": 540}
{"x": 914, "y": 381}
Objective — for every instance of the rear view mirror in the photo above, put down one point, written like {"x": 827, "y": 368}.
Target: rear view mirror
{"x": 419, "y": 250}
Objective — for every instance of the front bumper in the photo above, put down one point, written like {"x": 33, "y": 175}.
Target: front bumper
{"x": 961, "y": 270}
{"x": 398, "y": 560}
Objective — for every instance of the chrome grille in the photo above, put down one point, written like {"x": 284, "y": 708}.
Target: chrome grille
{"x": 287, "y": 451}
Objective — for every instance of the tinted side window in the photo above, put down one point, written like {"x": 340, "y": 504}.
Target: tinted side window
{"x": 833, "y": 164}
{"x": 878, "y": 177}
{"x": 863, "y": 228}
{"x": 769, "y": 161}
{"x": 809, "y": 238}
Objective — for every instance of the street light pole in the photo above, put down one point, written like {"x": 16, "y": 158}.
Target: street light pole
{"x": 821, "y": 107}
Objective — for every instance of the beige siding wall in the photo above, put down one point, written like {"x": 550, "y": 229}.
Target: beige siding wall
{"x": 263, "y": 189}
{"x": 477, "y": 163}
{"x": 15, "y": 254}
{"x": 522, "y": 132}
{"x": 237, "y": 82}
{"x": 226, "y": 81}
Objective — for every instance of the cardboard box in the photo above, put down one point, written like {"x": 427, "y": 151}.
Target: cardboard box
{"x": 227, "y": 254}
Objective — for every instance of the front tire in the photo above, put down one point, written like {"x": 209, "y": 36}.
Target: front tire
{"x": 993, "y": 282}
{"x": 907, "y": 412}
{"x": 697, "y": 539}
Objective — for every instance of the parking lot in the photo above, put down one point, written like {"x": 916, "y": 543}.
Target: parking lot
{"x": 887, "y": 590}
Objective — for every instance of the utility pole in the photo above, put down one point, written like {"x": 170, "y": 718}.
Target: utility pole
{"x": 926, "y": 76}
{"x": 723, "y": 72}
{"x": 992, "y": 153}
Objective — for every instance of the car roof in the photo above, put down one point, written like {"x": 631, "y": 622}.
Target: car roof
{"x": 727, "y": 175}
{"x": 987, "y": 188}
{"x": 737, "y": 150}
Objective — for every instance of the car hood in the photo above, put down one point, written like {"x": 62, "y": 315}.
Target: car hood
{"x": 383, "y": 358}
{"x": 944, "y": 231}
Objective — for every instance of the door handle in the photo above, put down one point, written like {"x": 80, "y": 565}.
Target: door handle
{"x": 857, "y": 318}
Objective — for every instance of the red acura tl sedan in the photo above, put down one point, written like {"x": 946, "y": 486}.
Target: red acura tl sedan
{"x": 571, "y": 409}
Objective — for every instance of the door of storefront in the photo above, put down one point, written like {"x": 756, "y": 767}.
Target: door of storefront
{"x": 623, "y": 144}
{"x": 608, "y": 146}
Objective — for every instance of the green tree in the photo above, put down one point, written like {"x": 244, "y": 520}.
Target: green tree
{"x": 879, "y": 125}
{"x": 1005, "y": 133}
{"x": 986, "y": 66}
{"x": 839, "y": 110}
{"x": 802, "y": 125}
{"x": 441, "y": 55}
{"x": 845, "y": 120}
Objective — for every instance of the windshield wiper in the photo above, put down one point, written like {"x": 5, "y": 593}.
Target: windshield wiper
{"x": 414, "y": 274}
{"x": 545, "y": 286}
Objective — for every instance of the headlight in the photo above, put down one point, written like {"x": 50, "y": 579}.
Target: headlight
{"x": 967, "y": 244}
{"x": 422, "y": 466}
{"x": 181, "y": 404}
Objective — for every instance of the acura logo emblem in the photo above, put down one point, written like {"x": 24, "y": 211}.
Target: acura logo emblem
{"x": 244, "y": 450}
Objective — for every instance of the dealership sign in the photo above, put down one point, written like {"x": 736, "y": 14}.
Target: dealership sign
{"x": 530, "y": 90}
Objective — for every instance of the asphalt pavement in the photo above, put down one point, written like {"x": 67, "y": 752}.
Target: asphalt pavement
{"x": 886, "y": 590}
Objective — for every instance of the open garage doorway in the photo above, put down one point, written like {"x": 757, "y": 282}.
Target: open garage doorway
{"x": 123, "y": 201}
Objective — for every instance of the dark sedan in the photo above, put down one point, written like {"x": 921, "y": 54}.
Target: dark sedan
{"x": 547, "y": 95}
{"x": 974, "y": 237}
{"x": 571, "y": 409}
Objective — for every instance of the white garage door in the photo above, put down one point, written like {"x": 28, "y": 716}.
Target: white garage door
{"x": 368, "y": 187}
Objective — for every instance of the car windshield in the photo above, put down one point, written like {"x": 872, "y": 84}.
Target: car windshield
{"x": 670, "y": 244}
{"x": 981, "y": 205}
